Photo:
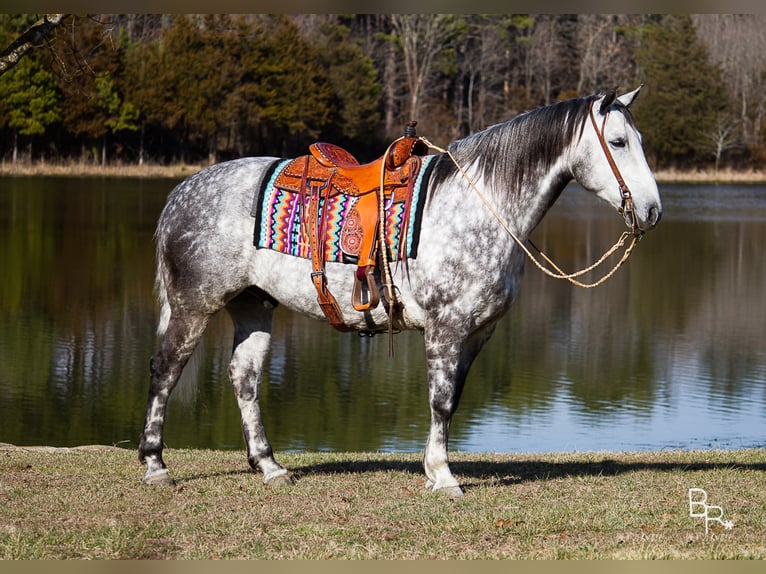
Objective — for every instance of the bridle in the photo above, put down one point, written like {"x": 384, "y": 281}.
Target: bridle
{"x": 626, "y": 207}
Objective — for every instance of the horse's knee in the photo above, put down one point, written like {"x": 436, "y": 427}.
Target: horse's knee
{"x": 444, "y": 401}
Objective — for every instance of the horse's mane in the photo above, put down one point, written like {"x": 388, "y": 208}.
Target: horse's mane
{"x": 508, "y": 154}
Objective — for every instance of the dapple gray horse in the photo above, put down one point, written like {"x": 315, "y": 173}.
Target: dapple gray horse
{"x": 464, "y": 278}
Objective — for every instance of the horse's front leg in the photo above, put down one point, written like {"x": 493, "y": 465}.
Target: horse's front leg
{"x": 252, "y": 339}
{"x": 449, "y": 355}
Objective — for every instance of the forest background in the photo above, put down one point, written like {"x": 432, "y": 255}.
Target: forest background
{"x": 157, "y": 88}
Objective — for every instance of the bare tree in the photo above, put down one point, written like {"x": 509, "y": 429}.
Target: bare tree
{"x": 481, "y": 65}
{"x": 604, "y": 52}
{"x": 546, "y": 55}
{"x": 31, "y": 38}
{"x": 723, "y": 136}
{"x": 592, "y": 34}
{"x": 422, "y": 38}
{"x": 737, "y": 43}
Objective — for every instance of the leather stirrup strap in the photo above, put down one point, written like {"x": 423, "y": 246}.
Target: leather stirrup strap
{"x": 317, "y": 221}
{"x": 364, "y": 277}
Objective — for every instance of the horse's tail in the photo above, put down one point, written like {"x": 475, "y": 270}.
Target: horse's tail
{"x": 160, "y": 290}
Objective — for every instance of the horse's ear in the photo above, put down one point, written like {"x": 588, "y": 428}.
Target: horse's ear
{"x": 607, "y": 101}
{"x": 627, "y": 99}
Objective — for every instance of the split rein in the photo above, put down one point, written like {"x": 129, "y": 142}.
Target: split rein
{"x": 626, "y": 209}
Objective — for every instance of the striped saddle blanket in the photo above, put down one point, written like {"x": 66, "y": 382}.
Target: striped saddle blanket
{"x": 280, "y": 209}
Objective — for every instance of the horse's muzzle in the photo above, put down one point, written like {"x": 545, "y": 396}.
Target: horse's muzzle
{"x": 643, "y": 223}
{"x": 655, "y": 214}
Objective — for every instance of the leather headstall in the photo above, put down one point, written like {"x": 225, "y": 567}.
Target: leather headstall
{"x": 626, "y": 207}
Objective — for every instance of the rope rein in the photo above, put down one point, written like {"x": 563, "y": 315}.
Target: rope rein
{"x": 558, "y": 274}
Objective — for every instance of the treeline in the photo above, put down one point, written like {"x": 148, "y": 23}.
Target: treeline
{"x": 135, "y": 88}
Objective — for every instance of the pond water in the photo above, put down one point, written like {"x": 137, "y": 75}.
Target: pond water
{"x": 670, "y": 353}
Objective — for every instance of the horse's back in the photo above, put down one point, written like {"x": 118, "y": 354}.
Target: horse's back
{"x": 215, "y": 191}
{"x": 205, "y": 229}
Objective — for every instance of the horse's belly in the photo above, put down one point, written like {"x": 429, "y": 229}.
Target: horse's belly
{"x": 288, "y": 280}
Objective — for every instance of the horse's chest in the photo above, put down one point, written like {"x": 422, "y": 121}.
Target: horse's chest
{"x": 478, "y": 272}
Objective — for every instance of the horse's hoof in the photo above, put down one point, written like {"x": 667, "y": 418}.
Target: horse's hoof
{"x": 280, "y": 480}
{"x": 159, "y": 479}
{"x": 451, "y": 491}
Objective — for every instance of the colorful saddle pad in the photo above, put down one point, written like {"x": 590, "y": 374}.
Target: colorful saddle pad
{"x": 278, "y": 216}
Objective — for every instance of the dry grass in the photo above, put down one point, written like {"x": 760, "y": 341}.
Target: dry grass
{"x": 710, "y": 176}
{"x": 181, "y": 170}
{"x": 89, "y": 504}
{"x": 93, "y": 170}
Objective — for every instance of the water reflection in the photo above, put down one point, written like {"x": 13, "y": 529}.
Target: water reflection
{"x": 669, "y": 353}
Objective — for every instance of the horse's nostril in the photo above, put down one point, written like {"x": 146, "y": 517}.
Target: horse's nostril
{"x": 654, "y": 216}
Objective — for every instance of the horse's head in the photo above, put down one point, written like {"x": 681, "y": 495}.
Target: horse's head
{"x": 609, "y": 160}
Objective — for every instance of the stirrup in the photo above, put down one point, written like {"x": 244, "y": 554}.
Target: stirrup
{"x": 366, "y": 273}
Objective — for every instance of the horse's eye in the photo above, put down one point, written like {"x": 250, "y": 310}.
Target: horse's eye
{"x": 619, "y": 142}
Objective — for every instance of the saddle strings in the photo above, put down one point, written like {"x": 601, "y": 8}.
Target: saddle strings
{"x": 559, "y": 274}
{"x": 388, "y": 284}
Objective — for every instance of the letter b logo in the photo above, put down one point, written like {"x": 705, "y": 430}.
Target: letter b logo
{"x": 697, "y": 503}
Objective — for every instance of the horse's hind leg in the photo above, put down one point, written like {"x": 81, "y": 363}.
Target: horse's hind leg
{"x": 178, "y": 343}
{"x": 252, "y": 314}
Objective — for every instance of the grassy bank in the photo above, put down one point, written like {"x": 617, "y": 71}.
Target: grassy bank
{"x": 88, "y": 503}
{"x": 92, "y": 170}
{"x": 181, "y": 170}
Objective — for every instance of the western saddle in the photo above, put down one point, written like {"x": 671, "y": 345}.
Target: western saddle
{"x": 330, "y": 170}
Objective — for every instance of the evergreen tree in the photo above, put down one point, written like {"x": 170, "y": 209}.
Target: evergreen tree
{"x": 138, "y": 69}
{"x": 182, "y": 77}
{"x": 685, "y": 93}
{"x": 29, "y": 101}
{"x": 355, "y": 109}
{"x": 285, "y": 92}
{"x": 120, "y": 114}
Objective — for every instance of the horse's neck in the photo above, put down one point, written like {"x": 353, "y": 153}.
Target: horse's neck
{"x": 543, "y": 198}
{"x": 523, "y": 209}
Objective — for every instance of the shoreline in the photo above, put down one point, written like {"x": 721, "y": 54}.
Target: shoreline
{"x": 180, "y": 171}
{"x": 93, "y": 170}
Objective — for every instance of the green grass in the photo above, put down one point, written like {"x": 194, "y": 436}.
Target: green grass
{"x": 90, "y": 504}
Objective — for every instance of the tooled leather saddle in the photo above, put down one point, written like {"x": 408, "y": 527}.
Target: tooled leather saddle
{"x": 330, "y": 170}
